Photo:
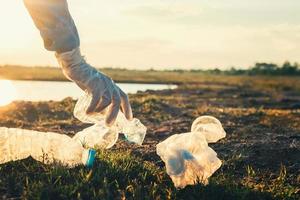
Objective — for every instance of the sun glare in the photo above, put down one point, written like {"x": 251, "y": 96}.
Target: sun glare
{"x": 7, "y": 92}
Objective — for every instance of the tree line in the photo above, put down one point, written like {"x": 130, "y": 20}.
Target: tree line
{"x": 287, "y": 69}
{"x": 261, "y": 68}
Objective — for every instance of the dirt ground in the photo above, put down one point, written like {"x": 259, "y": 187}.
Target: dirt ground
{"x": 263, "y": 126}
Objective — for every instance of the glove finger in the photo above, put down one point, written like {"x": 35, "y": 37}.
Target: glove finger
{"x": 125, "y": 105}
{"x": 114, "y": 108}
{"x": 94, "y": 103}
{"x": 104, "y": 102}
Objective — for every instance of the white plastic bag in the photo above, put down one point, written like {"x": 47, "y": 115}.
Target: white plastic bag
{"x": 187, "y": 156}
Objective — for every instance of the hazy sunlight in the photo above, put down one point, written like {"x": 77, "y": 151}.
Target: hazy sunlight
{"x": 7, "y": 92}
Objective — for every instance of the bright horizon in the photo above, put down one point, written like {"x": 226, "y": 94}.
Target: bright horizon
{"x": 163, "y": 34}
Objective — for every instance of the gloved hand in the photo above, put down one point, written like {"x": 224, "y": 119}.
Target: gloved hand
{"x": 55, "y": 24}
{"x": 105, "y": 93}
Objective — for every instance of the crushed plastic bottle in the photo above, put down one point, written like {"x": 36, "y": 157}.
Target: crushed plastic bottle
{"x": 97, "y": 136}
{"x": 187, "y": 156}
{"x": 102, "y": 136}
{"x": 18, "y": 144}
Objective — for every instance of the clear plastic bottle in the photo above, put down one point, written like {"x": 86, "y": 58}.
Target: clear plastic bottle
{"x": 134, "y": 130}
{"x": 97, "y": 136}
{"x": 18, "y": 144}
{"x": 210, "y": 127}
{"x": 188, "y": 157}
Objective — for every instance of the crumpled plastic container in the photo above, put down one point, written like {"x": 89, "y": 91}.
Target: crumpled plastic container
{"x": 210, "y": 127}
{"x": 101, "y": 136}
{"x": 97, "y": 136}
{"x": 187, "y": 156}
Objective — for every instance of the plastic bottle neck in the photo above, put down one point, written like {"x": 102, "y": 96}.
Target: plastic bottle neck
{"x": 88, "y": 157}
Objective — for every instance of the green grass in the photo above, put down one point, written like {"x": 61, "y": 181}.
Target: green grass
{"x": 120, "y": 175}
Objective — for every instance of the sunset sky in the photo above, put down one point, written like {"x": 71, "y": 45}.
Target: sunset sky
{"x": 163, "y": 34}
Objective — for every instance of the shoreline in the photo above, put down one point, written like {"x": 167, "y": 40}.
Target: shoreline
{"x": 127, "y": 82}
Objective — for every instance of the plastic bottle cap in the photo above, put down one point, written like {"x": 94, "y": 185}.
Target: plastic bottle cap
{"x": 90, "y": 158}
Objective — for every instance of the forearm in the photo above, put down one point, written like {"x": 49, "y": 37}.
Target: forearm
{"x": 56, "y": 26}
{"x": 58, "y": 30}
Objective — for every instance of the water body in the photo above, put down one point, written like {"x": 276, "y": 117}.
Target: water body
{"x": 56, "y": 91}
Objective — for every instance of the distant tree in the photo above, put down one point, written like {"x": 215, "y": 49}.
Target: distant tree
{"x": 196, "y": 70}
{"x": 216, "y": 71}
{"x": 263, "y": 69}
{"x": 288, "y": 69}
{"x": 234, "y": 71}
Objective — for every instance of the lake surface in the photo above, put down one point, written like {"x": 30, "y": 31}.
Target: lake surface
{"x": 54, "y": 90}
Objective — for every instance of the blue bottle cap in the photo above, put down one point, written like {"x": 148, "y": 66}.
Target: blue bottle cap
{"x": 91, "y": 158}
